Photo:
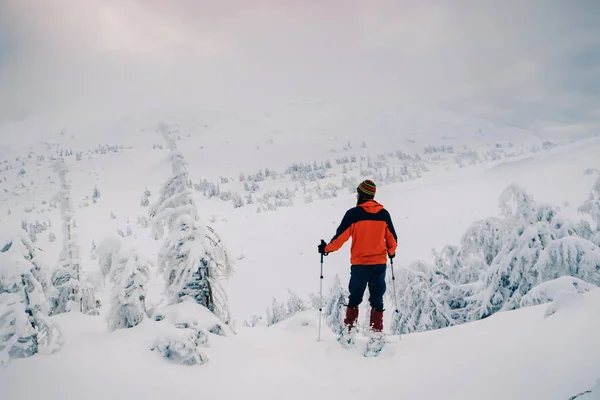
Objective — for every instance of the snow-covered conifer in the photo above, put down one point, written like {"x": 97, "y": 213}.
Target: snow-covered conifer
{"x": 128, "y": 272}
{"x": 95, "y": 194}
{"x": 94, "y": 251}
{"x": 128, "y": 295}
{"x": 295, "y": 304}
{"x": 484, "y": 239}
{"x": 569, "y": 256}
{"x": 499, "y": 261}
{"x": 511, "y": 275}
{"x": 25, "y": 328}
{"x": 592, "y": 205}
{"x": 276, "y": 313}
{"x": 40, "y": 271}
{"x": 67, "y": 278}
{"x": 193, "y": 256}
{"x": 423, "y": 296}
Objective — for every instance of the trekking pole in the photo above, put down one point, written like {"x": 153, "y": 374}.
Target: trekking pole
{"x": 394, "y": 288}
{"x": 320, "y": 298}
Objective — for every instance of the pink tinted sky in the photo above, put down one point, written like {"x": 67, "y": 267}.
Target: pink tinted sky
{"x": 526, "y": 63}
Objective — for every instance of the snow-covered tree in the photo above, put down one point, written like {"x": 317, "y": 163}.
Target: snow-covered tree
{"x": 280, "y": 311}
{"x": 334, "y": 309}
{"x": 484, "y": 239}
{"x": 592, "y": 205}
{"x": 480, "y": 245}
{"x": 276, "y": 313}
{"x": 25, "y": 328}
{"x": 95, "y": 194}
{"x": 295, "y": 304}
{"x": 511, "y": 275}
{"x": 569, "y": 256}
{"x": 423, "y": 296}
{"x": 193, "y": 256}
{"x": 67, "y": 278}
{"x": 40, "y": 271}
{"x": 128, "y": 272}
{"x": 500, "y": 264}
{"x": 94, "y": 251}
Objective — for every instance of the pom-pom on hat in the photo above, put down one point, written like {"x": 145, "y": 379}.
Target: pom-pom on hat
{"x": 367, "y": 189}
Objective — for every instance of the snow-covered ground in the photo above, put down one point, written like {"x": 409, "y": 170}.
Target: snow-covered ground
{"x": 449, "y": 174}
{"x": 514, "y": 355}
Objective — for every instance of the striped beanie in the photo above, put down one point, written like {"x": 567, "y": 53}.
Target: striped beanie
{"x": 367, "y": 189}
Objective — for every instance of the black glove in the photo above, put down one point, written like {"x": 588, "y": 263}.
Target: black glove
{"x": 322, "y": 247}
{"x": 391, "y": 256}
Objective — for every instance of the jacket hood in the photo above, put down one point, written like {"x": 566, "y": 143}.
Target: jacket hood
{"x": 371, "y": 206}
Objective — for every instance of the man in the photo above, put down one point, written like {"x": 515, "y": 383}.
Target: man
{"x": 373, "y": 240}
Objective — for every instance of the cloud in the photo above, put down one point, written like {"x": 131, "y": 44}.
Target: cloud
{"x": 533, "y": 64}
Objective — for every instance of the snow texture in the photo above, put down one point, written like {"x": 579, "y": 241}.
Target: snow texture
{"x": 547, "y": 291}
{"x": 190, "y": 326}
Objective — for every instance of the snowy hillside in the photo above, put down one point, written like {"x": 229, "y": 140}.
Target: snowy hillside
{"x": 516, "y": 355}
{"x": 107, "y": 203}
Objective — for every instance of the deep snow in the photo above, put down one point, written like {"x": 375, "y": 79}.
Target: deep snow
{"x": 513, "y": 355}
{"x": 517, "y": 355}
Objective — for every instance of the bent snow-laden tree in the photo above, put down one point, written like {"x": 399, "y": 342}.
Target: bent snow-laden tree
{"x": 128, "y": 272}
{"x": 72, "y": 292}
{"x": 25, "y": 328}
{"x": 193, "y": 257}
{"x": 533, "y": 236}
{"x": 498, "y": 263}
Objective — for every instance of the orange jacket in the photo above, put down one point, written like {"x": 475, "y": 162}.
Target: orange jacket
{"x": 372, "y": 232}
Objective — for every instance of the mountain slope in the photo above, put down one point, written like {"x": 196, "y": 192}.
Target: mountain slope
{"x": 433, "y": 198}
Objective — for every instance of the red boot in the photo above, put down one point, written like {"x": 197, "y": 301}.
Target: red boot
{"x": 376, "y": 320}
{"x": 351, "y": 317}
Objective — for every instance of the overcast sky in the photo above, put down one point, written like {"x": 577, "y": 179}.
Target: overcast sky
{"x": 534, "y": 63}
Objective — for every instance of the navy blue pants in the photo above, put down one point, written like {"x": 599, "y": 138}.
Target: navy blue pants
{"x": 372, "y": 276}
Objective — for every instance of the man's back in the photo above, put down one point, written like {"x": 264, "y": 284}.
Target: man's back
{"x": 372, "y": 231}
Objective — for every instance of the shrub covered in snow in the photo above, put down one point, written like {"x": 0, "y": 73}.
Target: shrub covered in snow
{"x": 546, "y": 292}
{"x": 334, "y": 308}
{"x": 281, "y": 311}
{"x": 183, "y": 346}
{"x": 188, "y": 327}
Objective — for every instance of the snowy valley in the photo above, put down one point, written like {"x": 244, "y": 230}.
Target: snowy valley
{"x": 146, "y": 257}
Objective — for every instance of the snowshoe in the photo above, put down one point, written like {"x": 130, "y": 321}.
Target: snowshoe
{"x": 375, "y": 344}
{"x": 346, "y": 338}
